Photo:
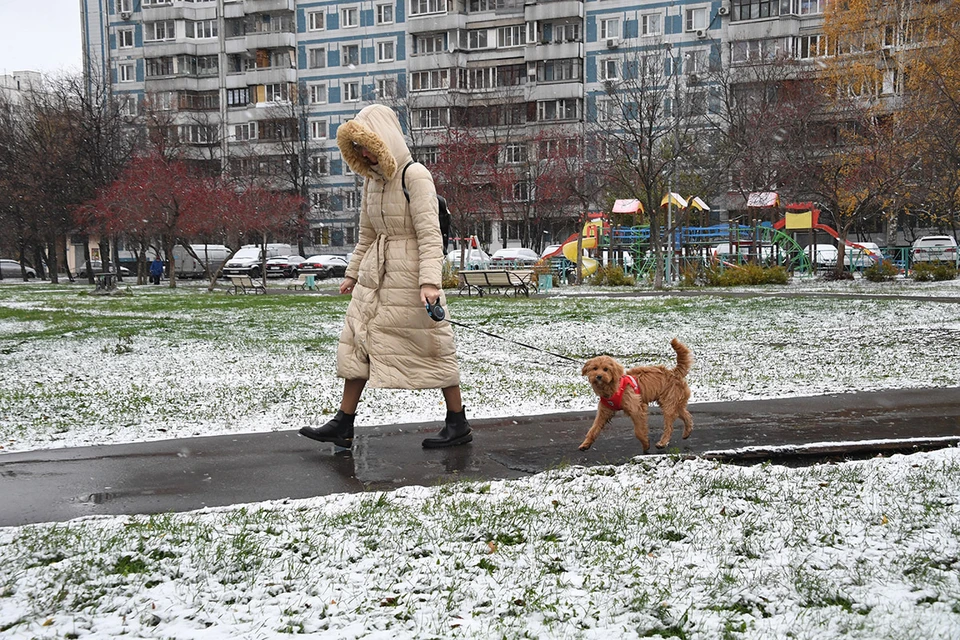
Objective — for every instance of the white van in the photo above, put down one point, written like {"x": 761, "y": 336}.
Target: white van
{"x": 247, "y": 261}
{"x": 212, "y": 255}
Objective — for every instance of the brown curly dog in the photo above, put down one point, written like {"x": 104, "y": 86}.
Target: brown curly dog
{"x": 634, "y": 390}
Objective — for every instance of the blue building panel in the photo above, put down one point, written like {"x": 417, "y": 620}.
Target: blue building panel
{"x": 591, "y": 35}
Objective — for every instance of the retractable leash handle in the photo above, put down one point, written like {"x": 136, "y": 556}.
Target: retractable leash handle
{"x": 437, "y": 312}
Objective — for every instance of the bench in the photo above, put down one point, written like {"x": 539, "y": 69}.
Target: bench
{"x": 506, "y": 281}
{"x": 305, "y": 282}
{"x": 246, "y": 284}
{"x": 106, "y": 281}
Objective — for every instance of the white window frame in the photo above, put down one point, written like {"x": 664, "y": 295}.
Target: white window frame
{"x": 381, "y": 10}
{"x": 349, "y": 17}
{"x": 425, "y": 7}
{"x": 317, "y": 55}
{"x": 607, "y": 69}
{"x": 169, "y": 31}
{"x": 126, "y": 38}
{"x": 386, "y": 88}
{"x": 609, "y": 28}
{"x": 245, "y": 132}
{"x": 386, "y": 51}
{"x": 318, "y": 93}
{"x": 316, "y": 21}
{"x": 128, "y": 105}
{"x": 127, "y": 72}
{"x": 319, "y": 165}
{"x": 695, "y": 19}
{"x": 651, "y": 24}
{"x": 207, "y": 29}
{"x": 318, "y": 129}
{"x": 351, "y": 199}
{"x": 511, "y": 36}
{"x": 514, "y": 153}
{"x": 351, "y": 91}
{"x": 126, "y": 6}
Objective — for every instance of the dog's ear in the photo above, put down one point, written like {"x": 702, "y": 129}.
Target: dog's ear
{"x": 617, "y": 368}
{"x": 586, "y": 367}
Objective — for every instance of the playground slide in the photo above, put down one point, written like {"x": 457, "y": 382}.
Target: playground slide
{"x": 569, "y": 247}
{"x": 836, "y": 236}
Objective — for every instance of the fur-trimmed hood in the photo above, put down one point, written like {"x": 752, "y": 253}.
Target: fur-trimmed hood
{"x": 377, "y": 128}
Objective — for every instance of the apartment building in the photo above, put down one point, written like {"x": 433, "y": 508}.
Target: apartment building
{"x": 251, "y": 86}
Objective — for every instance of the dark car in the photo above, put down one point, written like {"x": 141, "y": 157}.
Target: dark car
{"x": 284, "y": 266}
{"x": 97, "y": 267}
{"x": 325, "y": 266}
{"x": 10, "y": 270}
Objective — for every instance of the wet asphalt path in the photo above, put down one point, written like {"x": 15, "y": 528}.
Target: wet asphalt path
{"x": 182, "y": 475}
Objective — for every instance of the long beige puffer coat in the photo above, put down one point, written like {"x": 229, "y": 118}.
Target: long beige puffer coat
{"x": 388, "y": 338}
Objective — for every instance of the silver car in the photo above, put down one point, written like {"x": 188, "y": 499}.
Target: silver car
{"x": 10, "y": 270}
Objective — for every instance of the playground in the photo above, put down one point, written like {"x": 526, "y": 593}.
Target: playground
{"x": 772, "y": 238}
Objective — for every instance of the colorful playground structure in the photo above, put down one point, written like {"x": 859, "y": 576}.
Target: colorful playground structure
{"x": 727, "y": 245}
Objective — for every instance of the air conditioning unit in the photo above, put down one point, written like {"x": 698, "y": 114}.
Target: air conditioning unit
{"x": 723, "y": 11}
{"x": 613, "y": 43}
{"x": 125, "y": 15}
{"x": 692, "y": 79}
{"x": 701, "y": 34}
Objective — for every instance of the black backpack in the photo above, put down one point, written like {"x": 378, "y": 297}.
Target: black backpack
{"x": 444, "y": 215}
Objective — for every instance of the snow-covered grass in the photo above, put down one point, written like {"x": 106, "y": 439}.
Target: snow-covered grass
{"x": 658, "y": 548}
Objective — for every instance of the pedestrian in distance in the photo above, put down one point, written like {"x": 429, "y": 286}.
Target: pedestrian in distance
{"x": 156, "y": 270}
{"x": 388, "y": 339}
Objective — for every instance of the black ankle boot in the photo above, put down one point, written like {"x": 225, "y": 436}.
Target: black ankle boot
{"x": 456, "y": 431}
{"x": 339, "y": 430}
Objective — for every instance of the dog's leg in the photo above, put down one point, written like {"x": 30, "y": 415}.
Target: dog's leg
{"x": 687, "y": 422}
{"x": 604, "y": 414}
{"x": 640, "y": 427}
{"x": 668, "y": 418}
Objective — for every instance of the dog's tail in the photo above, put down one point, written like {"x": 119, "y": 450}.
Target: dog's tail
{"x": 684, "y": 358}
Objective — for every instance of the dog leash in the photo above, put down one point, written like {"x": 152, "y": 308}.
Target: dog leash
{"x": 438, "y": 313}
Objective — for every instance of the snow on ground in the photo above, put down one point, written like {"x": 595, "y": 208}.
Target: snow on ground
{"x": 658, "y": 548}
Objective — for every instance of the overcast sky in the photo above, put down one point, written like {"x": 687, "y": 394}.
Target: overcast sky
{"x": 40, "y": 35}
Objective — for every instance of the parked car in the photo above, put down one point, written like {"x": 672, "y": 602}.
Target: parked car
{"x": 10, "y": 270}
{"x": 325, "y": 266}
{"x": 187, "y": 266}
{"x": 97, "y": 267}
{"x": 823, "y": 255}
{"x": 246, "y": 261}
{"x": 550, "y": 248}
{"x": 935, "y": 249}
{"x": 475, "y": 259}
{"x": 513, "y": 258}
{"x": 740, "y": 252}
{"x": 284, "y": 266}
{"x": 854, "y": 258}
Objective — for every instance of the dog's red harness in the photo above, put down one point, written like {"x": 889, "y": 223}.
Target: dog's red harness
{"x": 616, "y": 400}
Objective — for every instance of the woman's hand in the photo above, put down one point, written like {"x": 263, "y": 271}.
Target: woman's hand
{"x": 428, "y": 293}
{"x": 347, "y": 285}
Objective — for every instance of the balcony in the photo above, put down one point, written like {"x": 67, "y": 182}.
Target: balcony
{"x": 435, "y": 61}
{"x": 553, "y": 10}
{"x": 555, "y": 90}
{"x": 434, "y": 22}
{"x": 264, "y": 6}
{"x": 554, "y": 51}
{"x": 270, "y": 75}
{"x": 271, "y": 40}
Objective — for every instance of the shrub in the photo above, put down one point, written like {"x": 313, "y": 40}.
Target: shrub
{"x": 748, "y": 274}
{"x": 880, "y": 271}
{"x": 933, "y": 271}
{"x": 612, "y": 276}
{"x": 450, "y": 277}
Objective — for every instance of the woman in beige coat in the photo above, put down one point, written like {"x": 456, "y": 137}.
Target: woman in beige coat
{"x": 388, "y": 339}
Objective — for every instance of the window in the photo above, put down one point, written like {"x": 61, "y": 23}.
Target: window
{"x": 387, "y": 88}
{"x": 349, "y": 17}
{"x": 201, "y": 29}
{"x": 694, "y": 61}
{"x": 515, "y": 153}
{"x": 318, "y": 94}
{"x": 608, "y": 69}
{"x": 276, "y": 92}
{"x": 159, "y": 67}
{"x": 317, "y": 58}
{"x": 610, "y": 28}
{"x": 315, "y": 21}
{"x": 521, "y": 191}
{"x": 806, "y": 47}
{"x": 433, "y": 118}
{"x": 422, "y": 7}
{"x": 569, "y": 32}
{"x": 430, "y": 80}
{"x": 238, "y": 97}
{"x": 696, "y": 19}
{"x": 126, "y": 6}
{"x": 319, "y": 166}
{"x": 125, "y": 38}
{"x": 244, "y": 132}
{"x": 384, "y": 14}
{"x": 350, "y": 55}
{"x": 429, "y": 44}
{"x": 564, "y": 148}
{"x": 808, "y": 7}
{"x": 428, "y": 155}
{"x": 196, "y": 133}
{"x": 558, "y": 70}
{"x": 351, "y": 199}
{"x": 477, "y": 39}
{"x": 511, "y": 36}
{"x": 318, "y": 130}
{"x": 512, "y": 75}
{"x": 385, "y": 51}
{"x": 156, "y": 31}
{"x": 565, "y": 109}
{"x": 128, "y": 105}
{"x": 650, "y": 25}
{"x": 754, "y": 9}
{"x": 126, "y": 72}
{"x": 746, "y": 51}
{"x": 351, "y": 92}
